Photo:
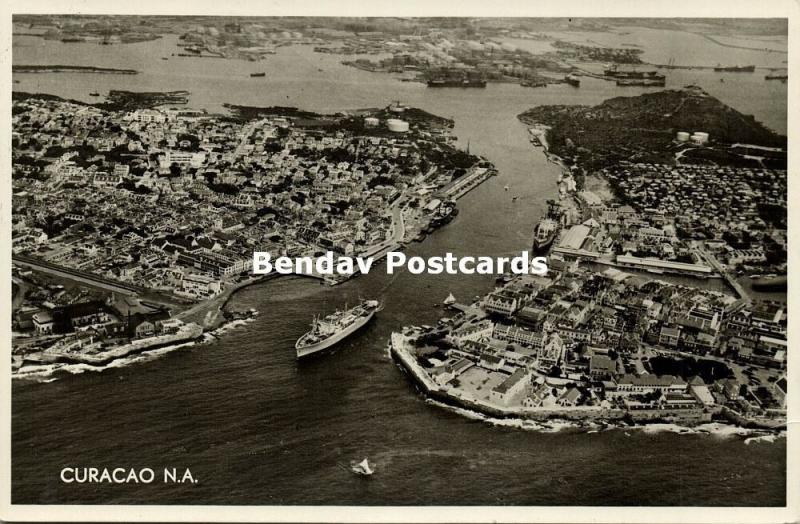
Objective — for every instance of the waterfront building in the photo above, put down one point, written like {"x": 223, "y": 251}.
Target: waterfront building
{"x": 570, "y": 397}
{"x": 491, "y": 361}
{"x": 511, "y": 387}
{"x": 649, "y": 383}
{"x": 501, "y": 303}
{"x": 479, "y": 331}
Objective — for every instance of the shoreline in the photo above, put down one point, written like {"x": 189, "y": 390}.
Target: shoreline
{"x": 46, "y": 68}
{"x": 585, "y": 419}
{"x": 209, "y": 315}
{"x": 73, "y": 366}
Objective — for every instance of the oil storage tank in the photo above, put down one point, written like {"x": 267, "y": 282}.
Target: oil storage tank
{"x": 397, "y": 125}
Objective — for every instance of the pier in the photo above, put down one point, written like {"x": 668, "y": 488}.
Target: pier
{"x": 463, "y": 185}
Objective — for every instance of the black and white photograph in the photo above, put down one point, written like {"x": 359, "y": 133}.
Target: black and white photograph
{"x": 411, "y": 260}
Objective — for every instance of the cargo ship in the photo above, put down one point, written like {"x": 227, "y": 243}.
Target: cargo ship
{"x": 769, "y": 282}
{"x": 456, "y": 82}
{"x": 735, "y": 69}
{"x": 444, "y": 214}
{"x": 654, "y": 81}
{"x": 547, "y": 229}
{"x": 455, "y": 78}
{"x": 533, "y": 83}
{"x": 783, "y": 77}
{"x": 631, "y": 72}
{"x": 258, "y": 74}
{"x": 544, "y": 234}
{"x": 334, "y": 328}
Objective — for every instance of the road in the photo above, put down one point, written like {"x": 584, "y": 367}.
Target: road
{"x": 379, "y": 251}
{"x": 96, "y": 281}
{"x": 77, "y": 275}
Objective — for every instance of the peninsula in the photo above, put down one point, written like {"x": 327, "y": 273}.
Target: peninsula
{"x": 664, "y": 183}
{"x": 70, "y": 69}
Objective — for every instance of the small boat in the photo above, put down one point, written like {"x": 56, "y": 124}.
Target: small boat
{"x": 362, "y": 468}
{"x": 506, "y": 187}
{"x": 450, "y": 300}
{"x": 94, "y": 94}
{"x": 514, "y": 199}
{"x": 254, "y": 75}
{"x": 164, "y": 58}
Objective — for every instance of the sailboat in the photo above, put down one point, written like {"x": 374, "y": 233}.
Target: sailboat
{"x": 362, "y": 468}
{"x": 449, "y": 300}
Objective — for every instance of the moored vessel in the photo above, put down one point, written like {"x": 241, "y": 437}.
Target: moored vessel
{"x": 454, "y": 78}
{"x": 548, "y": 227}
{"x": 544, "y": 234}
{"x": 334, "y": 328}
{"x": 447, "y": 82}
{"x": 652, "y": 81}
{"x": 735, "y": 69}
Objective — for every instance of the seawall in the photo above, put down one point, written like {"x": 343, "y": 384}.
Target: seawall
{"x": 401, "y": 355}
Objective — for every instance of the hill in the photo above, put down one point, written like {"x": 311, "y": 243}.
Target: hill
{"x": 644, "y": 127}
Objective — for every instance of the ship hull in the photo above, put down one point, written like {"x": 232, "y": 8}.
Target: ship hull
{"x": 544, "y": 235}
{"x": 647, "y": 82}
{"x": 735, "y": 69}
{"x": 311, "y": 349}
{"x": 456, "y": 83}
{"x": 540, "y": 246}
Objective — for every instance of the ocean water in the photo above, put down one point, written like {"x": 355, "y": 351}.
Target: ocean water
{"x": 257, "y": 427}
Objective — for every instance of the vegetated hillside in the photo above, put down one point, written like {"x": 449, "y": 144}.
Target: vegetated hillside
{"x": 645, "y": 126}
{"x": 117, "y": 100}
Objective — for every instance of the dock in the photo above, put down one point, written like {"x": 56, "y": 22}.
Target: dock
{"x": 463, "y": 185}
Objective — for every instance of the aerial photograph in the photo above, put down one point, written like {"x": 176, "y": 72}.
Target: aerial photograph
{"x": 644, "y": 158}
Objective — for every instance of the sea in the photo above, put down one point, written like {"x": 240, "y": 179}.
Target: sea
{"x": 256, "y": 427}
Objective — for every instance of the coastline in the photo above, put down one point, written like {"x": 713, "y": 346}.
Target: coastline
{"x": 46, "y": 371}
{"x": 208, "y": 315}
{"x": 21, "y": 69}
{"x": 723, "y": 421}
